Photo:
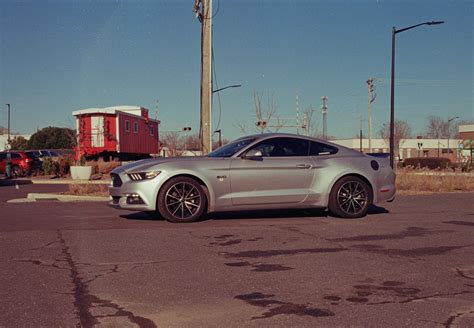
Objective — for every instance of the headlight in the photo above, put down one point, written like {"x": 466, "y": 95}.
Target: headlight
{"x": 143, "y": 175}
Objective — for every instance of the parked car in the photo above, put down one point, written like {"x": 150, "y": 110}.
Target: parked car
{"x": 265, "y": 171}
{"x": 49, "y": 153}
{"x": 41, "y": 154}
{"x": 35, "y": 153}
{"x": 21, "y": 163}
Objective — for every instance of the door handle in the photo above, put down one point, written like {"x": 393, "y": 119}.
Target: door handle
{"x": 304, "y": 166}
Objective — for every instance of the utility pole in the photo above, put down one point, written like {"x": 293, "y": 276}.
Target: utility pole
{"x": 203, "y": 11}
{"x": 309, "y": 118}
{"x": 297, "y": 115}
{"x": 306, "y": 123}
{"x": 360, "y": 134}
{"x": 324, "y": 111}
{"x": 8, "y": 138}
{"x": 370, "y": 99}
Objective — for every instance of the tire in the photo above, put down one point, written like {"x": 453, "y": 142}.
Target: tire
{"x": 181, "y": 200}
{"x": 17, "y": 172}
{"x": 350, "y": 198}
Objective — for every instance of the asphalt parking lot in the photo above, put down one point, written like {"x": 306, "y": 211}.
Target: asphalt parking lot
{"x": 409, "y": 263}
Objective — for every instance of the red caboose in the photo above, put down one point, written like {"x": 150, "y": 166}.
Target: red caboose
{"x": 124, "y": 132}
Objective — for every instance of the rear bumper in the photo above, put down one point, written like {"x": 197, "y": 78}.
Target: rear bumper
{"x": 386, "y": 193}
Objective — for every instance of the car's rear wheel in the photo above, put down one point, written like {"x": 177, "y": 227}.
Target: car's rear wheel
{"x": 181, "y": 200}
{"x": 350, "y": 198}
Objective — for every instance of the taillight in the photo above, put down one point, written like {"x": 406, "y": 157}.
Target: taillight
{"x": 29, "y": 160}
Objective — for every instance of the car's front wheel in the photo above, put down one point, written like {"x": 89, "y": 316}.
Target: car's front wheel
{"x": 350, "y": 198}
{"x": 181, "y": 200}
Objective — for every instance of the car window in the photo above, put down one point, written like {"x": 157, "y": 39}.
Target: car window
{"x": 318, "y": 148}
{"x": 3, "y": 156}
{"x": 283, "y": 147}
{"x": 15, "y": 156}
{"x": 231, "y": 148}
{"x": 31, "y": 154}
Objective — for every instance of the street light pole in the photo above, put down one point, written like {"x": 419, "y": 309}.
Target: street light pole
{"x": 227, "y": 87}
{"x": 220, "y": 136}
{"x": 449, "y": 134}
{"x": 392, "y": 87}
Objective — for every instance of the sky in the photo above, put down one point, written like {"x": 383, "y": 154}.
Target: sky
{"x": 60, "y": 56}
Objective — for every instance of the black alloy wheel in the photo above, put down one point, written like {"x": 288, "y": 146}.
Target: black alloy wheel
{"x": 181, "y": 200}
{"x": 350, "y": 198}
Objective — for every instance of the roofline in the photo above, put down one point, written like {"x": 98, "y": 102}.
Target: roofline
{"x": 113, "y": 110}
{"x": 107, "y": 110}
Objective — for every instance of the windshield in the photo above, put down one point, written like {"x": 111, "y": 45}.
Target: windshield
{"x": 231, "y": 148}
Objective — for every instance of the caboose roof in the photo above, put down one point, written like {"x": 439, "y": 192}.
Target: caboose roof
{"x": 136, "y": 110}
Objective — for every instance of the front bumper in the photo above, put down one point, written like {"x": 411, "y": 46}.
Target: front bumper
{"x": 121, "y": 202}
{"x": 134, "y": 195}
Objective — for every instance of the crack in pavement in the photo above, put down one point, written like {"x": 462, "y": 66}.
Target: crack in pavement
{"x": 84, "y": 300}
{"x": 40, "y": 263}
{"x": 408, "y": 232}
{"x": 281, "y": 308}
{"x": 449, "y": 323}
{"x": 277, "y": 252}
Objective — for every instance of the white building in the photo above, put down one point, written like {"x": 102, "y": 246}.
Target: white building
{"x": 4, "y": 139}
{"x": 408, "y": 147}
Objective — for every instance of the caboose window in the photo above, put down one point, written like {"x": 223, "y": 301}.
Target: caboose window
{"x": 152, "y": 130}
{"x": 127, "y": 126}
{"x": 135, "y": 127}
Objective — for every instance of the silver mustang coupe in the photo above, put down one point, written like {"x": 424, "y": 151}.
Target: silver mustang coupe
{"x": 265, "y": 171}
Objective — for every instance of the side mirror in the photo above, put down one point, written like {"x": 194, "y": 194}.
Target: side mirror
{"x": 253, "y": 154}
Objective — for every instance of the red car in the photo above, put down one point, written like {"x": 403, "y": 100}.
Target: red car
{"x": 21, "y": 163}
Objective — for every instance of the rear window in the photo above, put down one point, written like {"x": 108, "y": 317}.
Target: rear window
{"x": 318, "y": 149}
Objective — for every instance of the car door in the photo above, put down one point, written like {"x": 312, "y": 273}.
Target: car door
{"x": 3, "y": 157}
{"x": 282, "y": 175}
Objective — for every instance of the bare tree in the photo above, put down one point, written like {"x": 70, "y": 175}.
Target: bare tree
{"x": 263, "y": 114}
{"x": 402, "y": 131}
{"x": 174, "y": 143}
{"x": 436, "y": 127}
{"x": 192, "y": 143}
{"x": 454, "y": 127}
{"x": 241, "y": 126}
{"x": 216, "y": 145}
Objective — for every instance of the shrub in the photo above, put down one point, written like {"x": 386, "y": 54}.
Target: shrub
{"x": 428, "y": 162}
{"x": 48, "y": 166}
{"x": 103, "y": 167}
{"x": 81, "y": 161}
{"x": 88, "y": 189}
{"x": 422, "y": 181}
{"x": 62, "y": 167}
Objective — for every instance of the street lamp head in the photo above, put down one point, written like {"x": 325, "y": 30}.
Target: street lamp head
{"x": 435, "y": 23}
{"x": 453, "y": 118}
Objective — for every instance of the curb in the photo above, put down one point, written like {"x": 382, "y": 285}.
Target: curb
{"x": 33, "y": 197}
{"x": 70, "y": 181}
